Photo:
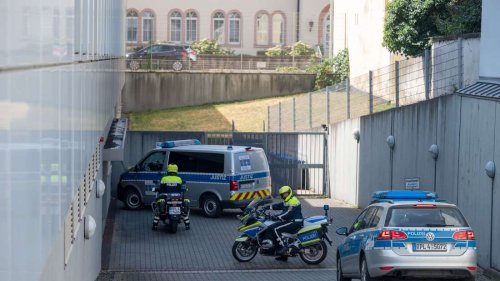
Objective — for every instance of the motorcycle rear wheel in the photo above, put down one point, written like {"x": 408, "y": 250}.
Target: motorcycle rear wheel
{"x": 172, "y": 226}
{"x": 314, "y": 254}
{"x": 243, "y": 251}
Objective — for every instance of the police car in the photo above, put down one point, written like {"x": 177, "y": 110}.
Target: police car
{"x": 216, "y": 176}
{"x": 407, "y": 234}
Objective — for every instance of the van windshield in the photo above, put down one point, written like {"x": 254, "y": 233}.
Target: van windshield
{"x": 251, "y": 161}
{"x": 414, "y": 216}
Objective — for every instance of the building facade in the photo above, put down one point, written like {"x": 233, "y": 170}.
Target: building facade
{"x": 245, "y": 27}
{"x": 60, "y": 80}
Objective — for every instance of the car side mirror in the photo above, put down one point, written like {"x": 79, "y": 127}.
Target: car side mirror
{"x": 342, "y": 231}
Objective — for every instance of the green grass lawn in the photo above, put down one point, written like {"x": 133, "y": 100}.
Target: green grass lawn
{"x": 248, "y": 116}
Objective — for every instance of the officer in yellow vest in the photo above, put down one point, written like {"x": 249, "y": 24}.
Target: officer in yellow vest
{"x": 172, "y": 177}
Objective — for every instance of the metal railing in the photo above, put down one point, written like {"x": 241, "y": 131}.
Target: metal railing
{"x": 437, "y": 72}
{"x": 292, "y": 64}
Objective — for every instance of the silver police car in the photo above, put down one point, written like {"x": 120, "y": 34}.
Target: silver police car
{"x": 407, "y": 234}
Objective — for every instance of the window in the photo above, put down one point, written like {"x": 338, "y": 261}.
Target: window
{"x": 376, "y": 217}
{"x": 326, "y": 36}
{"x": 175, "y": 26}
{"x": 278, "y": 29}
{"x": 147, "y": 27}
{"x": 153, "y": 162}
{"x": 234, "y": 28}
{"x": 132, "y": 27}
{"x": 191, "y": 26}
{"x": 262, "y": 26}
{"x": 363, "y": 220}
{"x": 197, "y": 162}
{"x": 409, "y": 216}
{"x": 218, "y": 24}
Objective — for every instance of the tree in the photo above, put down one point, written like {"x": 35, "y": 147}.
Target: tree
{"x": 410, "y": 24}
{"x": 332, "y": 70}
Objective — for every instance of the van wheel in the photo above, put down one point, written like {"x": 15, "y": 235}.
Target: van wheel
{"x": 211, "y": 206}
{"x": 132, "y": 199}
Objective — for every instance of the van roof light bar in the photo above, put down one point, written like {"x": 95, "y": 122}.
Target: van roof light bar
{"x": 176, "y": 143}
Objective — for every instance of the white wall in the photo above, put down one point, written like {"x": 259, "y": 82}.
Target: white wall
{"x": 490, "y": 40}
{"x": 358, "y": 26}
{"x": 56, "y": 102}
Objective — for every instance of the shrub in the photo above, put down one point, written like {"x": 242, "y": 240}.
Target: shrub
{"x": 277, "y": 51}
{"x": 208, "y": 47}
{"x": 332, "y": 70}
{"x": 301, "y": 49}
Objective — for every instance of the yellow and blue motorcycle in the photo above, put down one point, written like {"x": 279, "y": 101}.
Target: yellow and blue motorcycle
{"x": 308, "y": 242}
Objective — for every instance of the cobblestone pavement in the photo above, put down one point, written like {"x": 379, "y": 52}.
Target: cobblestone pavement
{"x": 132, "y": 251}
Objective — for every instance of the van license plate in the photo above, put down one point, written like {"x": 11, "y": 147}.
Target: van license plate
{"x": 174, "y": 210}
{"x": 246, "y": 185}
{"x": 430, "y": 247}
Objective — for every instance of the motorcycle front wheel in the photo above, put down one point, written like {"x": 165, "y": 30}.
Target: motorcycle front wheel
{"x": 314, "y": 254}
{"x": 243, "y": 251}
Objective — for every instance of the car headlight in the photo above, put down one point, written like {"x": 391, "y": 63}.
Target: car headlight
{"x": 127, "y": 55}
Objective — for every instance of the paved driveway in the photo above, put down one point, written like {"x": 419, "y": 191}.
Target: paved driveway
{"x": 132, "y": 251}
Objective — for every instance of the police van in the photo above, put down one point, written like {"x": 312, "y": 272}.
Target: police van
{"x": 217, "y": 176}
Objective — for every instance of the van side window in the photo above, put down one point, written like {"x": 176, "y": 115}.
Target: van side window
{"x": 197, "y": 162}
{"x": 154, "y": 162}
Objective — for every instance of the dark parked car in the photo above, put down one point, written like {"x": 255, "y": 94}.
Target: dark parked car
{"x": 174, "y": 56}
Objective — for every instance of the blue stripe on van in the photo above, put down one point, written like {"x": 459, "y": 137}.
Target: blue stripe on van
{"x": 192, "y": 177}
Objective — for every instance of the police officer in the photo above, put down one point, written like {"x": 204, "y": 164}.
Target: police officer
{"x": 290, "y": 219}
{"x": 172, "y": 177}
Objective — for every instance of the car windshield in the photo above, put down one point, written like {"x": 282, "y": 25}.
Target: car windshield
{"x": 415, "y": 216}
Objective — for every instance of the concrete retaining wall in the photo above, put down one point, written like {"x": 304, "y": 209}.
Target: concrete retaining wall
{"x": 467, "y": 131}
{"x": 145, "y": 91}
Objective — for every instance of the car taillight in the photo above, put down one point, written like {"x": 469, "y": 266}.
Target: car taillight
{"x": 391, "y": 235}
{"x": 464, "y": 235}
{"x": 425, "y": 206}
{"x": 184, "y": 54}
{"x": 233, "y": 185}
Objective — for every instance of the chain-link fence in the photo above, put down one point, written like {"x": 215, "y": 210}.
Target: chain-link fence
{"x": 438, "y": 72}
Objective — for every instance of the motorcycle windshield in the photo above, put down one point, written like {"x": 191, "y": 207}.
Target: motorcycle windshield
{"x": 258, "y": 201}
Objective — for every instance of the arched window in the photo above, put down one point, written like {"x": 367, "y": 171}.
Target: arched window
{"x": 262, "y": 26}
{"x": 278, "y": 29}
{"x": 191, "y": 26}
{"x": 147, "y": 26}
{"x": 234, "y": 28}
{"x": 175, "y": 26}
{"x": 326, "y": 36}
{"x": 218, "y": 25}
{"x": 132, "y": 23}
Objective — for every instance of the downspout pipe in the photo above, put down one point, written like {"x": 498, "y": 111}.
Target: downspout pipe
{"x": 298, "y": 21}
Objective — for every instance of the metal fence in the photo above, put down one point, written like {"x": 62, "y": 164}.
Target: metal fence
{"x": 437, "y": 72}
{"x": 222, "y": 63}
{"x": 295, "y": 159}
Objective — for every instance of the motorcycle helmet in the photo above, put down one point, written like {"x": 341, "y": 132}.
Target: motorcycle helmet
{"x": 286, "y": 192}
{"x": 172, "y": 168}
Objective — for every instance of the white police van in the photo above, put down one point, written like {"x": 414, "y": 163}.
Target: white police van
{"x": 217, "y": 176}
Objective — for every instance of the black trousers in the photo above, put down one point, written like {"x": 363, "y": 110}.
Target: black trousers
{"x": 284, "y": 226}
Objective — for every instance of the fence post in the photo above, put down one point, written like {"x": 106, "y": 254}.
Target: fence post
{"x": 370, "y": 89}
{"x": 263, "y": 126}
{"x": 232, "y": 126}
{"x": 279, "y": 117}
{"x": 294, "y": 116}
{"x": 241, "y": 61}
{"x": 427, "y": 73}
{"x": 310, "y": 111}
{"x": 460, "y": 63}
{"x": 396, "y": 82}
{"x": 268, "y": 118}
{"x": 327, "y": 105}
{"x": 348, "y": 94}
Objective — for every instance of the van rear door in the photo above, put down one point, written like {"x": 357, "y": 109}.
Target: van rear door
{"x": 252, "y": 173}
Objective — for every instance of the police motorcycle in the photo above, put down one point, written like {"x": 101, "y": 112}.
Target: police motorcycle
{"x": 308, "y": 242}
{"x": 168, "y": 205}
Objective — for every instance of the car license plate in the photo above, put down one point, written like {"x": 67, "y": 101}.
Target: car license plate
{"x": 246, "y": 185}
{"x": 430, "y": 247}
{"x": 174, "y": 210}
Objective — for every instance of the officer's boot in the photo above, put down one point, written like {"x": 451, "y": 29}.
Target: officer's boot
{"x": 185, "y": 214}
{"x": 156, "y": 220}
